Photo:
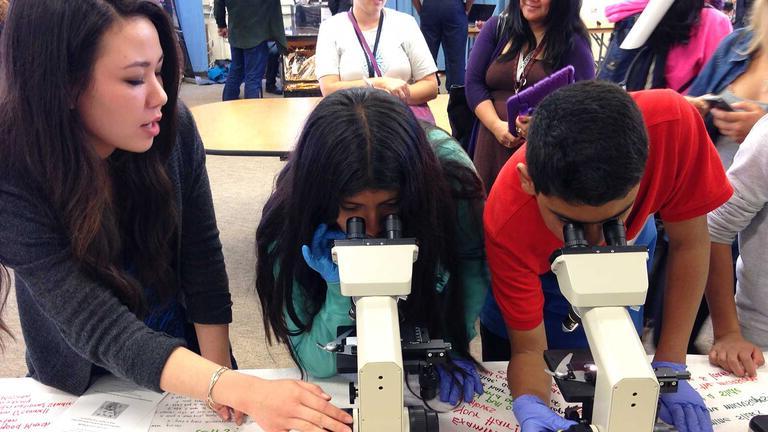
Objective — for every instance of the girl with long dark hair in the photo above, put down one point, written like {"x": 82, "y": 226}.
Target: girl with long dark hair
{"x": 686, "y": 37}
{"x": 106, "y": 215}
{"x": 363, "y": 153}
{"x": 513, "y": 51}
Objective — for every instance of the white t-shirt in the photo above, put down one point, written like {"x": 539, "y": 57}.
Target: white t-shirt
{"x": 403, "y": 53}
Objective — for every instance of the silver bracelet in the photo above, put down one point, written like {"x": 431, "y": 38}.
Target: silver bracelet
{"x": 214, "y": 378}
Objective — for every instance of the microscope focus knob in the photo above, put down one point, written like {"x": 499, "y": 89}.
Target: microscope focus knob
{"x": 422, "y": 420}
{"x": 352, "y": 393}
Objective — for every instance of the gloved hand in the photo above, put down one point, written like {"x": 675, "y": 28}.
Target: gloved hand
{"x": 685, "y": 409}
{"x": 535, "y": 416}
{"x": 318, "y": 257}
{"x": 460, "y": 379}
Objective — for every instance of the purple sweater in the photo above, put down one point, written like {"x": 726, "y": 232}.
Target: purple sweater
{"x": 486, "y": 50}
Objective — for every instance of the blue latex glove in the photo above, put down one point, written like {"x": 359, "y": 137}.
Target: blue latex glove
{"x": 318, "y": 257}
{"x": 535, "y": 416}
{"x": 457, "y": 380}
{"x": 685, "y": 409}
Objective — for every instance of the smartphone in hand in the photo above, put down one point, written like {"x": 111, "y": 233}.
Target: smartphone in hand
{"x": 718, "y": 102}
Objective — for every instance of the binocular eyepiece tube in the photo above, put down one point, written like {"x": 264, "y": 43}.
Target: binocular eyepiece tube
{"x": 573, "y": 235}
{"x": 613, "y": 232}
{"x": 393, "y": 228}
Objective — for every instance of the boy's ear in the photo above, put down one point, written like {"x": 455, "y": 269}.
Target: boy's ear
{"x": 525, "y": 179}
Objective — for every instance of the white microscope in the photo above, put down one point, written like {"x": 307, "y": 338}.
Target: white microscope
{"x": 617, "y": 386}
{"x": 376, "y": 273}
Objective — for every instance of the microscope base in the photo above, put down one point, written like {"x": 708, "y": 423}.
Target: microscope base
{"x": 415, "y": 419}
{"x": 574, "y": 391}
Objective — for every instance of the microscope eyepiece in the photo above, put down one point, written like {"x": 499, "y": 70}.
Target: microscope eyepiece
{"x": 573, "y": 234}
{"x": 355, "y": 228}
{"x": 393, "y": 227}
{"x": 614, "y": 233}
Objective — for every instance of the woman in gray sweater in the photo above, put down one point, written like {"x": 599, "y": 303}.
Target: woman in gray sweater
{"x": 106, "y": 215}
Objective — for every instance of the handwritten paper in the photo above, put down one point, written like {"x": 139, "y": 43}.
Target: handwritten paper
{"x": 732, "y": 401}
{"x": 29, "y": 406}
{"x": 26, "y": 405}
{"x": 182, "y": 414}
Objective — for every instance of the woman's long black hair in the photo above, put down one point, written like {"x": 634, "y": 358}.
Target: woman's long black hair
{"x": 563, "y": 25}
{"x": 359, "y": 139}
{"x": 111, "y": 210}
{"x": 676, "y": 25}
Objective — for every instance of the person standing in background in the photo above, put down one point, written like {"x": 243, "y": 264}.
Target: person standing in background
{"x": 251, "y": 25}
{"x": 533, "y": 40}
{"x": 445, "y": 21}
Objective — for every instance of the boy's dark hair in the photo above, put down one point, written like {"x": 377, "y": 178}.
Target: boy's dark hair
{"x": 587, "y": 144}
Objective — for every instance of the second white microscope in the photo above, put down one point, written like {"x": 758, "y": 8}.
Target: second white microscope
{"x": 600, "y": 282}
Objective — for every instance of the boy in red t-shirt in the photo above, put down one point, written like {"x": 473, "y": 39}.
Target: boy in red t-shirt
{"x": 596, "y": 153}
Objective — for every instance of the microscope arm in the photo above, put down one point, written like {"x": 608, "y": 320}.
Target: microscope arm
{"x": 626, "y": 387}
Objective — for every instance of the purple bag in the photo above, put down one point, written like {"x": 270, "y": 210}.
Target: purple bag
{"x": 526, "y": 100}
{"x": 423, "y": 113}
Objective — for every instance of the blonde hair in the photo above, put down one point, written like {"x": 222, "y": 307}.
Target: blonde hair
{"x": 758, "y": 25}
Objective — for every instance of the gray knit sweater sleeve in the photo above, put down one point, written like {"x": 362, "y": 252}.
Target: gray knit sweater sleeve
{"x": 86, "y": 314}
{"x": 69, "y": 320}
{"x": 749, "y": 176}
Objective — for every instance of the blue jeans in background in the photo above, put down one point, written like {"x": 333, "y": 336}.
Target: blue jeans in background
{"x": 248, "y": 65}
{"x": 444, "y": 21}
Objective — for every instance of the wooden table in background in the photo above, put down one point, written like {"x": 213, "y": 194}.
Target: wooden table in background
{"x": 267, "y": 127}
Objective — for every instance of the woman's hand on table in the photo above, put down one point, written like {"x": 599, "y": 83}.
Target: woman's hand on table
{"x": 735, "y": 354}
{"x": 281, "y": 405}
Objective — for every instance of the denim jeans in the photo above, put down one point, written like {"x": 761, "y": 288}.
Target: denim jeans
{"x": 248, "y": 65}
{"x": 446, "y": 22}
{"x": 273, "y": 65}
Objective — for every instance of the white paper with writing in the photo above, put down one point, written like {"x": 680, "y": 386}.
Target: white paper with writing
{"x": 110, "y": 404}
{"x": 27, "y": 405}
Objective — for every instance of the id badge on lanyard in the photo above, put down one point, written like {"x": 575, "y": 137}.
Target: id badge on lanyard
{"x": 370, "y": 56}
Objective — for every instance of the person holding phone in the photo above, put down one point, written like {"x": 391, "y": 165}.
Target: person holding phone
{"x": 735, "y": 75}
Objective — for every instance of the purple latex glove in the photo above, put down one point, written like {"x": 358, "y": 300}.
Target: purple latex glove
{"x": 535, "y": 416}
{"x": 461, "y": 379}
{"x": 318, "y": 256}
{"x": 685, "y": 409}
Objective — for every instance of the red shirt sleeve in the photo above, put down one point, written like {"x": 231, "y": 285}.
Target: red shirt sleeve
{"x": 517, "y": 246}
{"x": 683, "y": 177}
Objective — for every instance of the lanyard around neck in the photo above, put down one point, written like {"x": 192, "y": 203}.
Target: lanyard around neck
{"x": 524, "y": 66}
{"x": 370, "y": 56}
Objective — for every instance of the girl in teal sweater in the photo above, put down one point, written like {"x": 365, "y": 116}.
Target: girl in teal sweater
{"x": 362, "y": 153}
